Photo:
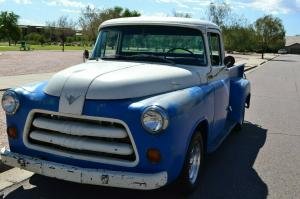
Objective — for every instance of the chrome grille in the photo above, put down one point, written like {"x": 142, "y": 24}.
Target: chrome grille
{"x": 88, "y": 138}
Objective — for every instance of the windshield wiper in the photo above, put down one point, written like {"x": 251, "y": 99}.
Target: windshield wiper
{"x": 141, "y": 56}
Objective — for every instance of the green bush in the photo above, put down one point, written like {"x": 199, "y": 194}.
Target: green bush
{"x": 35, "y": 38}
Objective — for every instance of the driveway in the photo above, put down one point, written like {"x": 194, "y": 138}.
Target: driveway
{"x": 34, "y": 62}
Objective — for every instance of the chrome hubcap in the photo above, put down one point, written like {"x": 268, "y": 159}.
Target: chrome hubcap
{"x": 194, "y": 163}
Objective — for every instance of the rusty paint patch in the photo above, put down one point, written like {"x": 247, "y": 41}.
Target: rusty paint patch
{"x": 144, "y": 184}
{"x": 21, "y": 162}
{"x": 104, "y": 179}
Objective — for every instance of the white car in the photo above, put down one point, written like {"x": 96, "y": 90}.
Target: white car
{"x": 282, "y": 51}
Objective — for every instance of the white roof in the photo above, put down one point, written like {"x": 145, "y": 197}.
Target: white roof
{"x": 166, "y": 21}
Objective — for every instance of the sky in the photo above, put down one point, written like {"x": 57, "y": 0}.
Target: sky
{"x": 37, "y": 12}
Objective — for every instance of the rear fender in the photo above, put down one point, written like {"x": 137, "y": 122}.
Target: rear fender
{"x": 239, "y": 98}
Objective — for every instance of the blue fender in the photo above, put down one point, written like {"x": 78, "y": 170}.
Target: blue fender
{"x": 186, "y": 108}
{"x": 239, "y": 92}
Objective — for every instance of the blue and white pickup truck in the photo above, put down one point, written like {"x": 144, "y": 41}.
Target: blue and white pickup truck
{"x": 154, "y": 97}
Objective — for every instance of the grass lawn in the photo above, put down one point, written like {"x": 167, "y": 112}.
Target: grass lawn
{"x": 4, "y": 47}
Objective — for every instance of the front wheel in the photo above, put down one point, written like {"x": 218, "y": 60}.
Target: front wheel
{"x": 192, "y": 169}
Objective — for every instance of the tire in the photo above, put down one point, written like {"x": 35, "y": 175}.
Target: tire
{"x": 191, "y": 173}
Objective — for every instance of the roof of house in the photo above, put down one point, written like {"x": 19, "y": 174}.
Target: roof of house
{"x": 290, "y": 40}
{"x": 167, "y": 21}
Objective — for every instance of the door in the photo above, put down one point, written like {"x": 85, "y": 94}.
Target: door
{"x": 219, "y": 79}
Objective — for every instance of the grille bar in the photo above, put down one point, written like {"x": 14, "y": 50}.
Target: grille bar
{"x": 79, "y": 128}
{"x": 79, "y": 143}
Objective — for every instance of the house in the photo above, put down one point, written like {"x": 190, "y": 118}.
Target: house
{"x": 27, "y": 29}
{"x": 292, "y": 44}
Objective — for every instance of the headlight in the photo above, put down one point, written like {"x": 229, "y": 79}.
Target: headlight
{"x": 10, "y": 102}
{"x": 154, "y": 119}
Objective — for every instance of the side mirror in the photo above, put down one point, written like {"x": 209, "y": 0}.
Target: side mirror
{"x": 229, "y": 61}
{"x": 86, "y": 55}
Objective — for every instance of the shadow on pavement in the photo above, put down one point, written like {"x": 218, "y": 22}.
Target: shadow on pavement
{"x": 4, "y": 167}
{"x": 228, "y": 173}
{"x": 283, "y": 60}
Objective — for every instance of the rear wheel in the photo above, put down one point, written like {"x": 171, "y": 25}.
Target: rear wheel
{"x": 191, "y": 172}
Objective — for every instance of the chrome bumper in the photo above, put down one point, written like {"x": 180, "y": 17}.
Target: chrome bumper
{"x": 83, "y": 175}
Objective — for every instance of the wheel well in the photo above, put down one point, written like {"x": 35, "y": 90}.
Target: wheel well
{"x": 203, "y": 129}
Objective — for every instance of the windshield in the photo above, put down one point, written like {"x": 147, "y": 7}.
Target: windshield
{"x": 151, "y": 43}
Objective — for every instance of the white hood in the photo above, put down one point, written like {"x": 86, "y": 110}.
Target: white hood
{"x": 105, "y": 80}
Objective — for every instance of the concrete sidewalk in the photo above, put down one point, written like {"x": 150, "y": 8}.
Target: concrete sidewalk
{"x": 18, "y": 80}
{"x": 253, "y": 59}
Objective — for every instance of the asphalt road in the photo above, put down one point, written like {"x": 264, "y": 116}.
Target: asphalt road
{"x": 261, "y": 161}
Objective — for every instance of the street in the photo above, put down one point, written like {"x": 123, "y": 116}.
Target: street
{"x": 261, "y": 161}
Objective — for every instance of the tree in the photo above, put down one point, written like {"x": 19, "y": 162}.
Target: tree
{"x": 238, "y": 34}
{"x": 89, "y": 23}
{"x": 239, "y": 38}
{"x": 182, "y": 14}
{"x": 15, "y": 34}
{"x": 9, "y": 27}
{"x": 50, "y": 31}
{"x": 63, "y": 28}
{"x": 219, "y": 12}
{"x": 91, "y": 18}
{"x": 35, "y": 38}
{"x": 270, "y": 32}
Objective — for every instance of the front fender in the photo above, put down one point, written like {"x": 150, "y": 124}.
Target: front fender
{"x": 186, "y": 109}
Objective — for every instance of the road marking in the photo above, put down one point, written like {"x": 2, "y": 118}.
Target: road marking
{"x": 12, "y": 177}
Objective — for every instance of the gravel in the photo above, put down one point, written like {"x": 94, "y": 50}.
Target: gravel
{"x": 33, "y": 62}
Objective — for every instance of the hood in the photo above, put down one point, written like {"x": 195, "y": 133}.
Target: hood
{"x": 108, "y": 80}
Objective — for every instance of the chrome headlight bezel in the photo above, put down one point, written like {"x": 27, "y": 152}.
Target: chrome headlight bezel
{"x": 161, "y": 113}
{"x": 14, "y": 98}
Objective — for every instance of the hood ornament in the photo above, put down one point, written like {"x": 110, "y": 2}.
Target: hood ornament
{"x": 71, "y": 99}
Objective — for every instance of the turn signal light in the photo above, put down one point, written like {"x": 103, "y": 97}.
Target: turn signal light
{"x": 153, "y": 155}
{"x": 12, "y": 132}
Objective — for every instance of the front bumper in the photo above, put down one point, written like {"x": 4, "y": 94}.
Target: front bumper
{"x": 84, "y": 175}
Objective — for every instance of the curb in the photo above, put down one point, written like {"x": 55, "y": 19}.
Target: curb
{"x": 12, "y": 177}
{"x": 260, "y": 64}
{"x": 250, "y": 68}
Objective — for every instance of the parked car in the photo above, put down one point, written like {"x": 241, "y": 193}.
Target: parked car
{"x": 155, "y": 96}
{"x": 282, "y": 51}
